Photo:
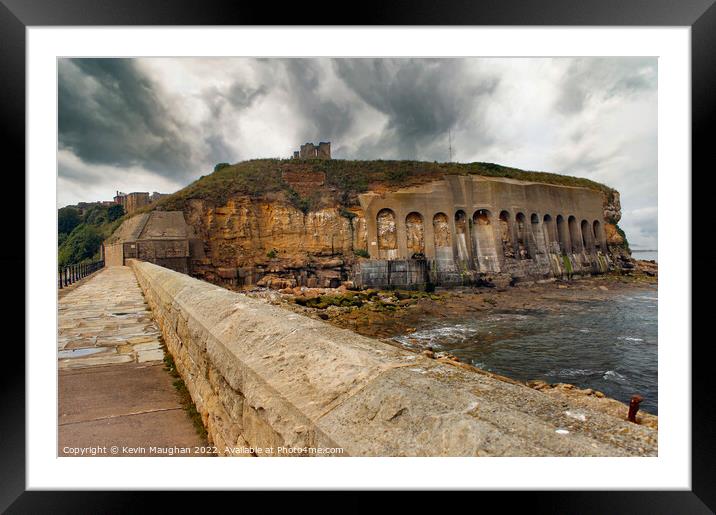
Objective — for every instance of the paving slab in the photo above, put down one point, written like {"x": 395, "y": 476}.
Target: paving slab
{"x": 113, "y": 389}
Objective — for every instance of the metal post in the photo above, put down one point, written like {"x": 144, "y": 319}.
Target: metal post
{"x": 634, "y": 407}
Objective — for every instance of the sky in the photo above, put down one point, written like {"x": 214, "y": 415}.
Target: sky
{"x": 157, "y": 124}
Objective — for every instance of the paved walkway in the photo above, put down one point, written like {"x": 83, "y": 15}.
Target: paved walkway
{"x": 113, "y": 389}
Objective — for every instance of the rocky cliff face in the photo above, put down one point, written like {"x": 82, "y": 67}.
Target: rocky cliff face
{"x": 271, "y": 240}
{"x": 612, "y": 215}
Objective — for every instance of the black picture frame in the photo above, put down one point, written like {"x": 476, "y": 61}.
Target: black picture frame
{"x": 17, "y": 15}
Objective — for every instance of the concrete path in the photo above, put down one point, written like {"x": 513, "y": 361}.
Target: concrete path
{"x": 113, "y": 389}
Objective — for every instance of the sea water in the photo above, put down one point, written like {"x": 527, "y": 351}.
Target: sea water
{"x": 610, "y": 346}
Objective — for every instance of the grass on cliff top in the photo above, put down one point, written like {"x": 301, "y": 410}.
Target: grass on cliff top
{"x": 258, "y": 177}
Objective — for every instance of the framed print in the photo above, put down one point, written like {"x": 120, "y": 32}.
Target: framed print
{"x": 416, "y": 252}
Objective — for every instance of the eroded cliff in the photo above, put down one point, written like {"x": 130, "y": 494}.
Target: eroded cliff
{"x": 292, "y": 222}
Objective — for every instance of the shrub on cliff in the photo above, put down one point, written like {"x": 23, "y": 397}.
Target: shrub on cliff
{"x": 82, "y": 244}
{"x": 67, "y": 219}
{"x": 115, "y": 212}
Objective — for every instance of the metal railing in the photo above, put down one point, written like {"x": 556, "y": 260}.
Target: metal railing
{"x": 73, "y": 273}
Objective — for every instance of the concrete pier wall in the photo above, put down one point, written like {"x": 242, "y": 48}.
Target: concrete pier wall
{"x": 265, "y": 377}
{"x": 476, "y": 227}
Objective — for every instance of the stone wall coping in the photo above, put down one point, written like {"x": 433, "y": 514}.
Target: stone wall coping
{"x": 304, "y": 382}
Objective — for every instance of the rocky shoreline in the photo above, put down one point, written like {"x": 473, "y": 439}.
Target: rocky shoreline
{"x": 387, "y": 314}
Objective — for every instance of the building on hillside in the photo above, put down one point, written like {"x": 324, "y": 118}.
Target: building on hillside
{"x": 82, "y": 207}
{"x": 156, "y": 196}
{"x": 137, "y": 199}
{"x": 132, "y": 201}
{"x": 160, "y": 237}
{"x": 311, "y": 151}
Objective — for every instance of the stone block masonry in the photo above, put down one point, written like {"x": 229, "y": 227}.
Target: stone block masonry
{"x": 266, "y": 378}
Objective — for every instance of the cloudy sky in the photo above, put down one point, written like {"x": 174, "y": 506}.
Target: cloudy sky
{"x": 158, "y": 124}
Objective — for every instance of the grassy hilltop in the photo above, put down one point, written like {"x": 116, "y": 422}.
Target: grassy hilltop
{"x": 345, "y": 179}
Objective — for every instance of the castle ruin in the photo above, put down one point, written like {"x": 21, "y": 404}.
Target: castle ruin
{"x": 137, "y": 199}
{"x": 311, "y": 151}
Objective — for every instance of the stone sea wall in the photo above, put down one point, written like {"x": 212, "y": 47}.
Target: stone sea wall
{"x": 263, "y": 377}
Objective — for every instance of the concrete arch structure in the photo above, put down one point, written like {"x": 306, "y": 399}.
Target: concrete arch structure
{"x": 485, "y": 251}
{"x": 537, "y": 235}
{"x": 505, "y": 231}
{"x": 565, "y": 244}
{"x": 587, "y": 236}
{"x": 387, "y": 234}
{"x": 600, "y": 240}
{"x": 550, "y": 234}
{"x": 442, "y": 241}
{"x": 575, "y": 234}
{"x": 415, "y": 234}
{"x": 462, "y": 237}
{"x": 470, "y": 227}
{"x": 521, "y": 236}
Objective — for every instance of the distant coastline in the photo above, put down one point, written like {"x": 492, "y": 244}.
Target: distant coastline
{"x": 645, "y": 254}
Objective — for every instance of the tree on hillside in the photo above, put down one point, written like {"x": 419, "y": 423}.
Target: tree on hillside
{"x": 115, "y": 212}
{"x": 96, "y": 215}
{"x": 82, "y": 244}
{"x": 67, "y": 219}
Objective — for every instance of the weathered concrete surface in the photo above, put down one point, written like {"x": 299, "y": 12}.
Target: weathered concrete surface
{"x": 113, "y": 390}
{"x": 266, "y": 377}
{"x": 469, "y": 226}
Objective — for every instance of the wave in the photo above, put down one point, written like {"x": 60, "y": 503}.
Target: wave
{"x": 572, "y": 372}
{"x": 613, "y": 375}
{"x": 433, "y": 337}
{"x": 630, "y": 339}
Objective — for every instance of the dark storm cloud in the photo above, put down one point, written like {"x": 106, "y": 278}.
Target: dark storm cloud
{"x": 110, "y": 112}
{"x": 422, "y": 99}
{"x": 323, "y": 115}
{"x": 161, "y": 123}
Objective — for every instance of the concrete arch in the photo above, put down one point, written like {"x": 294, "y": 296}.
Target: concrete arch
{"x": 441, "y": 230}
{"x": 565, "y": 245}
{"x": 521, "y": 231}
{"x": 575, "y": 234}
{"x": 505, "y": 225}
{"x": 387, "y": 234}
{"x": 537, "y": 239}
{"x": 461, "y": 235}
{"x": 483, "y": 237}
{"x": 587, "y": 236}
{"x": 599, "y": 238}
{"x": 550, "y": 233}
{"x": 415, "y": 234}
{"x": 442, "y": 241}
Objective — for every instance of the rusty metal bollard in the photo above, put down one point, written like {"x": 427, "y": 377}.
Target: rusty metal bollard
{"x": 634, "y": 407}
